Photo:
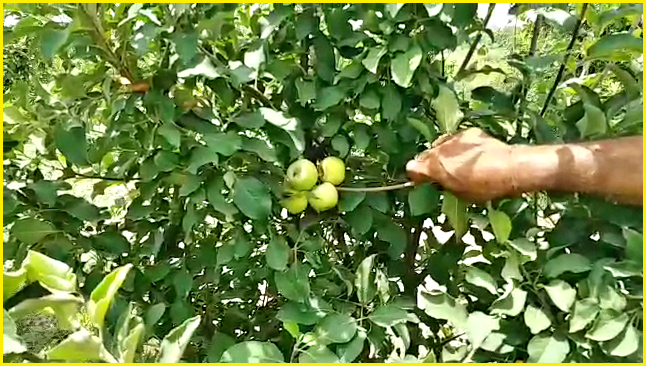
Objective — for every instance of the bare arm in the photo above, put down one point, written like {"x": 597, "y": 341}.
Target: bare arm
{"x": 479, "y": 167}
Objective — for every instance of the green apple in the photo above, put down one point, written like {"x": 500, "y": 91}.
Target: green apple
{"x": 332, "y": 170}
{"x": 295, "y": 203}
{"x": 323, "y": 197}
{"x": 302, "y": 175}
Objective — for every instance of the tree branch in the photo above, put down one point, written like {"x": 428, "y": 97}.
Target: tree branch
{"x": 535, "y": 33}
{"x": 476, "y": 40}
{"x": 559, "y": 75}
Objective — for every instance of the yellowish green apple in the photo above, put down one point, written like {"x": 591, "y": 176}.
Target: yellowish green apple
{"x": 332, "y": 170}
{"x": 323, "y": 197}
{"x": 302, "y": 175}
{"x": 296, "y": 203}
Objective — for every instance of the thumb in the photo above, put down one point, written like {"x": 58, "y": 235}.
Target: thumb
{"x": 419, "y": 170}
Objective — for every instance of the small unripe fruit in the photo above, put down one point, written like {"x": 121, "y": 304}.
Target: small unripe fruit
{"x": 296, "y": 203}
{"x": 302, "y": 175}
{"x": 323, "y": 197}
{"x": 332, "y": 170}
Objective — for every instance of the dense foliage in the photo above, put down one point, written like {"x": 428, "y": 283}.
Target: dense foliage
{"x": 145, "y": 147}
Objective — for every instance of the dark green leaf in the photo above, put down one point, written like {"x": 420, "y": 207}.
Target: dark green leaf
{"x": 252, "y": 198}
{"x": 31, "y": 231}
{"x": 336, "y": 328}
{"x": 294, "y": 283}
{"x": 404, "y": 64}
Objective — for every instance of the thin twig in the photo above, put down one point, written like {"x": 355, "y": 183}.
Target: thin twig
{"x": 376, "y": 189}
{"x": 575, "y": 32}
{"x": 476, "y": 40}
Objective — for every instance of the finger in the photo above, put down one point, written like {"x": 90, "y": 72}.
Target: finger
{"x": 418, "y": 170}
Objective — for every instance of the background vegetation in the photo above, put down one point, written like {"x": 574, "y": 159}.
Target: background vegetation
{"x": 144, "y": 153}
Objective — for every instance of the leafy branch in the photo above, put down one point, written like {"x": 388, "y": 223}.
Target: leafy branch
{"x": 476, "y": 40}
{"x": 559, "y": 75}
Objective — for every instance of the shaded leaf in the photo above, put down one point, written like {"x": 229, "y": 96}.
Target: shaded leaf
{"x": 575, "y": 263}
{"x": 403, "y": 66}
{"x": 174, "y": 343}
{"x": 252, "y": 198}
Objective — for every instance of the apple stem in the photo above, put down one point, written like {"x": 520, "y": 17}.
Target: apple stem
{"x": 375, "y": 189}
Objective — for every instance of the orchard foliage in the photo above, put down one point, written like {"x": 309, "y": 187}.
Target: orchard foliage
{"x": 145, "y": 149}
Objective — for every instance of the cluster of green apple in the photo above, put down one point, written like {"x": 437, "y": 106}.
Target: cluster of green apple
{"x": 301, "y": 189}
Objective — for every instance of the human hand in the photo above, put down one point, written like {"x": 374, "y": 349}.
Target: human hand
{"x": 470, "y": 163}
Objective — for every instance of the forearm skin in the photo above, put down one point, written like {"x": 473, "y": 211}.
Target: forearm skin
{"x": 610, "y": 168}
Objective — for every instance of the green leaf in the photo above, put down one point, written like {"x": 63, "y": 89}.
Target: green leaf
{"x": 131, "y": 343}
{"x": 336, "y": 328}
{"x": 575, "y": 263}
{"x": 202, "y": 66}
{"x": 250, "y": 120}
{"x": 340, "y": 144}
{"x": 524, "y": 247}
{"x": 308, "y": 313}
{"x": 51, "y": 40}
{"x": 433, "y": 9}
{"x": 255, "y": 55}
{"x": 348, "y": 201}
{"x": 547, "y": 348}
{"x": 31, "y": 231}
{"x": 81, "y": 346}
{"x": 440, "y": 305}
{"x": 306, "y": 90}
{"x": 360, "y": 219}
{"x": 52, "y": 274}
{"x": 102, "y": 295}
{"x": 634, "y": 245}
{"x": 182, "y": 281}
{"x": 253, "y": 352}
{"x": 479, "y": 326}
{"x": 501, "y": 225}
{"x": 559, "y": 17}
{"x": 371, "y": 62}
{"x": 349, "y": 352}
{"x": 480, "y": 278}
{"x": 391, "y": 103}
{"x": 456, "y": 212}
{"x": 200, "y": 156}
{"x": 185, "y": 44}
{"x": 289, "y": 124}
{"x": 261, "y": 148}
{"x": 624, "y": 344}
{"x": 562, "y": 294}
{"x": 388, "y": 315}
{"x": 585, "y": 311}
{"x": 220, "y": 342}
{"x": 277, "y": 253}
{"x": 497, "y": 342}
{"x": 11, "y": 342}
{"x": 318, "y": 354}
{"x": 217, "y": 200}
{"x": 511, "y": 270}
{"x": 294, "y": 283}
{"x": 424, "y": 128}
{"x": 12, "y": 282}
{"x": 447, "y": 109}
{"x": 423, "y": 199}
{"x": 395, "y": 235}
{"x": 536, "y": 319}
{"x": 369, "y": 100}
{"x": 403, "y": 66}
{"x": 174, "y": 343}
{"x": 154, "y": 314}
{"x": 325, "y": 59}
{"x": 171, "y": 133}
{"x": 166, "y": 161}
{"x": 224, "y": 143}
{"x": 71, "y": 143}
{"x": 510, "y": 303}
{"x": 608, "y": 325}
{"x": 328, "y": 97}
{"x": 364, "y": 280}
{"x": 616, "y": 47}
{"x": 252, "y": 198}
{"x": 593, "y": 121}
